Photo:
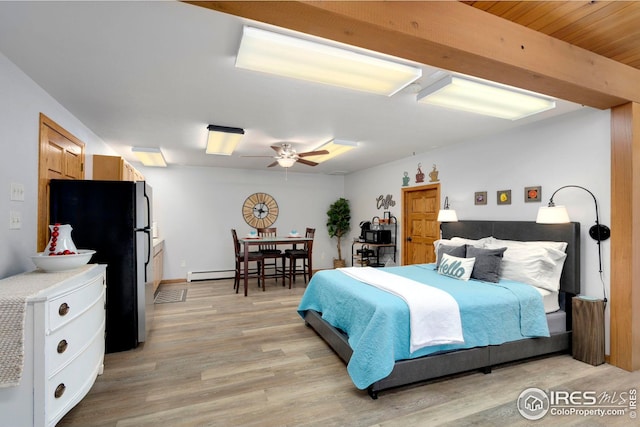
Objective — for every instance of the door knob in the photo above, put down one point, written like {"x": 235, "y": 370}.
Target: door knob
{"x": 409, "y": 239}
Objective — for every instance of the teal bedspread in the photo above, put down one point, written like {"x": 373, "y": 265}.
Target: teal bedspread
{"x": 377, "y": 322}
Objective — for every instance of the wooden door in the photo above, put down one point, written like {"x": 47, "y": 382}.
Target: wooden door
{"x": 61, "y": 157}
{"x": 420, "y": 226}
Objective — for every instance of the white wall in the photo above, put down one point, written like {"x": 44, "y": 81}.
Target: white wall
{"x": 573, "y": 149}
{"x": 196, "y": 208}
{"x": 21, "y": 102}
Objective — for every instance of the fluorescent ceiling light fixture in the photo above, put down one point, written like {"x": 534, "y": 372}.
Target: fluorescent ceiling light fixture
{"x": 488, "y": 98}
{"x": 286, "y": 162}
{"x": 335, "y": 147}
{"x": 223, "y": 140}
{"x": 303, "y": 59}
{"x": 149, "y": 156}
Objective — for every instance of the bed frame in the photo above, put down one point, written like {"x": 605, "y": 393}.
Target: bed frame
{"x": 479, "y": 358}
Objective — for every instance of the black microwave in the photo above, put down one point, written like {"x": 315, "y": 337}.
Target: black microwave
{"x": 381, "y": 237}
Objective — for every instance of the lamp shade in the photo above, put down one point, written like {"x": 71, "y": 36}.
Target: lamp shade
{"x": 552, "y": 215}
{"x": 447, "y": 215}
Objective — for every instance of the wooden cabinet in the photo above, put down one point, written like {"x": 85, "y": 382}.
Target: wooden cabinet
{"x": 588, "y": 330}
{"x": 63, "y": 335}
{"x": 158, "y": 253}
{"x": 114, "y": 168}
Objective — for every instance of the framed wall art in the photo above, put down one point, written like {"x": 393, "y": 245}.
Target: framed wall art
{"x": 532, "y": 194}
{"x": 504, "y": 197}
{"x": 480, "y": 198}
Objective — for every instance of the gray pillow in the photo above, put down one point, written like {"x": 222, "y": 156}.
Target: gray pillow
{"x": 488, "y": 263}
{"x": 456, "y": 251}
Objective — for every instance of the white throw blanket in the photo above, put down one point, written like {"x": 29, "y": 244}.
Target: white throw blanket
{"x": 434, "y": 314}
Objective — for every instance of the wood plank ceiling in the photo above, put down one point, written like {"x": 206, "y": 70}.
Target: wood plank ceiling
{"x": 608, "y": 28}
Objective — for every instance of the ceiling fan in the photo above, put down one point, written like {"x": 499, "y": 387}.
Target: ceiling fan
{"x": 287, "y": 156}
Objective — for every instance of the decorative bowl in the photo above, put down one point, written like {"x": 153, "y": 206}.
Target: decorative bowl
{"x": 50, "y": 263}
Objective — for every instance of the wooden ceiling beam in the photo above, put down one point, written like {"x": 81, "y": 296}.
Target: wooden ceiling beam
{"x": 455, "y": 37}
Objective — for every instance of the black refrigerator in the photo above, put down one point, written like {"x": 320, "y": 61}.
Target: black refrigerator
{"x": 114, "y": 219}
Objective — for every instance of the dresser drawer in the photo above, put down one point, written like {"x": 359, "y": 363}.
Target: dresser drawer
{"x": 67, "y": 387}
{"x": 64, "y": 308}
{"x": 67, "y": 341}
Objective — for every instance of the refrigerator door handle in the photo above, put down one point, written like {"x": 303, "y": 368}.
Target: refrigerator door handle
{"x": 148, "y": 200}
{"x": 149, "y": 244}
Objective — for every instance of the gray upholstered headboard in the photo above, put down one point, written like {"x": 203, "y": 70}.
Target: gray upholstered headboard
{"x": 527, "y": 231}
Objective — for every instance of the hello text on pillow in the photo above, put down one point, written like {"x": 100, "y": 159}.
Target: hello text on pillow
{"x": 457, "y": 268}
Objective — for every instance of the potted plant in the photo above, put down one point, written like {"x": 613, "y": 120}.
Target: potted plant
{"x": 338, "y": 225}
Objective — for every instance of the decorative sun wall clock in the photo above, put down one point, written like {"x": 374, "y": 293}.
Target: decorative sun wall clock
{"x": 260, "y": 210}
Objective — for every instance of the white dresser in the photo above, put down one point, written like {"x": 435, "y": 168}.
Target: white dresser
{"x": 64, "y": 326}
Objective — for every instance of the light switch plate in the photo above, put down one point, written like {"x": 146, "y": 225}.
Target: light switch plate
{"x": 15, "y": 220}
{"x": 17, "y": 192}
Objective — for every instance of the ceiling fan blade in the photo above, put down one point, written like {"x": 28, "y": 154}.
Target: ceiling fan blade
{"x": 277, "y": 148}
{"x": 307, "y": 162}
{"x": 313, "y": 153}
{"x": 273, "y": 164}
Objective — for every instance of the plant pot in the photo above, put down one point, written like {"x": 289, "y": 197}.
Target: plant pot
{"x": 339, "y": 263}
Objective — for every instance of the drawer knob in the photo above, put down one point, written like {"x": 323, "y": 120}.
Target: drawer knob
{"x": 62, "y": 346}
{"x": 60, "y": 390}
{"x": 64, "y": 309}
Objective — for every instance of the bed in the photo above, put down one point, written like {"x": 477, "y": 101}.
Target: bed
{"x": 408, "y": 367}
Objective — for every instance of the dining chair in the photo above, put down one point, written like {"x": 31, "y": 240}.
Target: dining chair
{"x": 270, "y": 251}
{"x": 293, "y": 255}
{"x": 254, "y": 256}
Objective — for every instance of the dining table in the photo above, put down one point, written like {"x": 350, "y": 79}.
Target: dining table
{"x": 249, "y": 241}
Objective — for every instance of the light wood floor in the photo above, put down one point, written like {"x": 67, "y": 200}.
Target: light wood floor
{"x": 220, "y": 359}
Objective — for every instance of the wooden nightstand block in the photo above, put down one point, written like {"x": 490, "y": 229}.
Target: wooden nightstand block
{"x": 588, "y": 330}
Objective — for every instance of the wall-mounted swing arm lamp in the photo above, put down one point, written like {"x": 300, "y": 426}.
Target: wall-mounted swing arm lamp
{"x": 446, "y": 214}
{"x": 553, "y": 214}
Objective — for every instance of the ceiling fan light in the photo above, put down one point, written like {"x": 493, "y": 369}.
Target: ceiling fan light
{"x": 150, "y": 156}
{"x": 308, "y": 60}
{"x": 286, "y": 162}
{"x": 222, "y": 140}
{"x": 335, "y": 147}
{"x": 483, "y": 97}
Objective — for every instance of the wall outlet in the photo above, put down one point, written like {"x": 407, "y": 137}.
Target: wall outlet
{"x": 183, "y": 263}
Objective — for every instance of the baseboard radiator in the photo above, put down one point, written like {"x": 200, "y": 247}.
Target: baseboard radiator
{"x": 193, "y": 276}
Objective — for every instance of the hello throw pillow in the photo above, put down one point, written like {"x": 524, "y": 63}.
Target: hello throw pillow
{"x": 457, "y": 268}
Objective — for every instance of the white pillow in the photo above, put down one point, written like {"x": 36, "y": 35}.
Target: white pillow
{"x": 459, "y": 241}
{"x": 478, "y": 243}
{"x": 560, "y": 246}
{"x": 457, "y": 268}
{"x": 532, "y": 264}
